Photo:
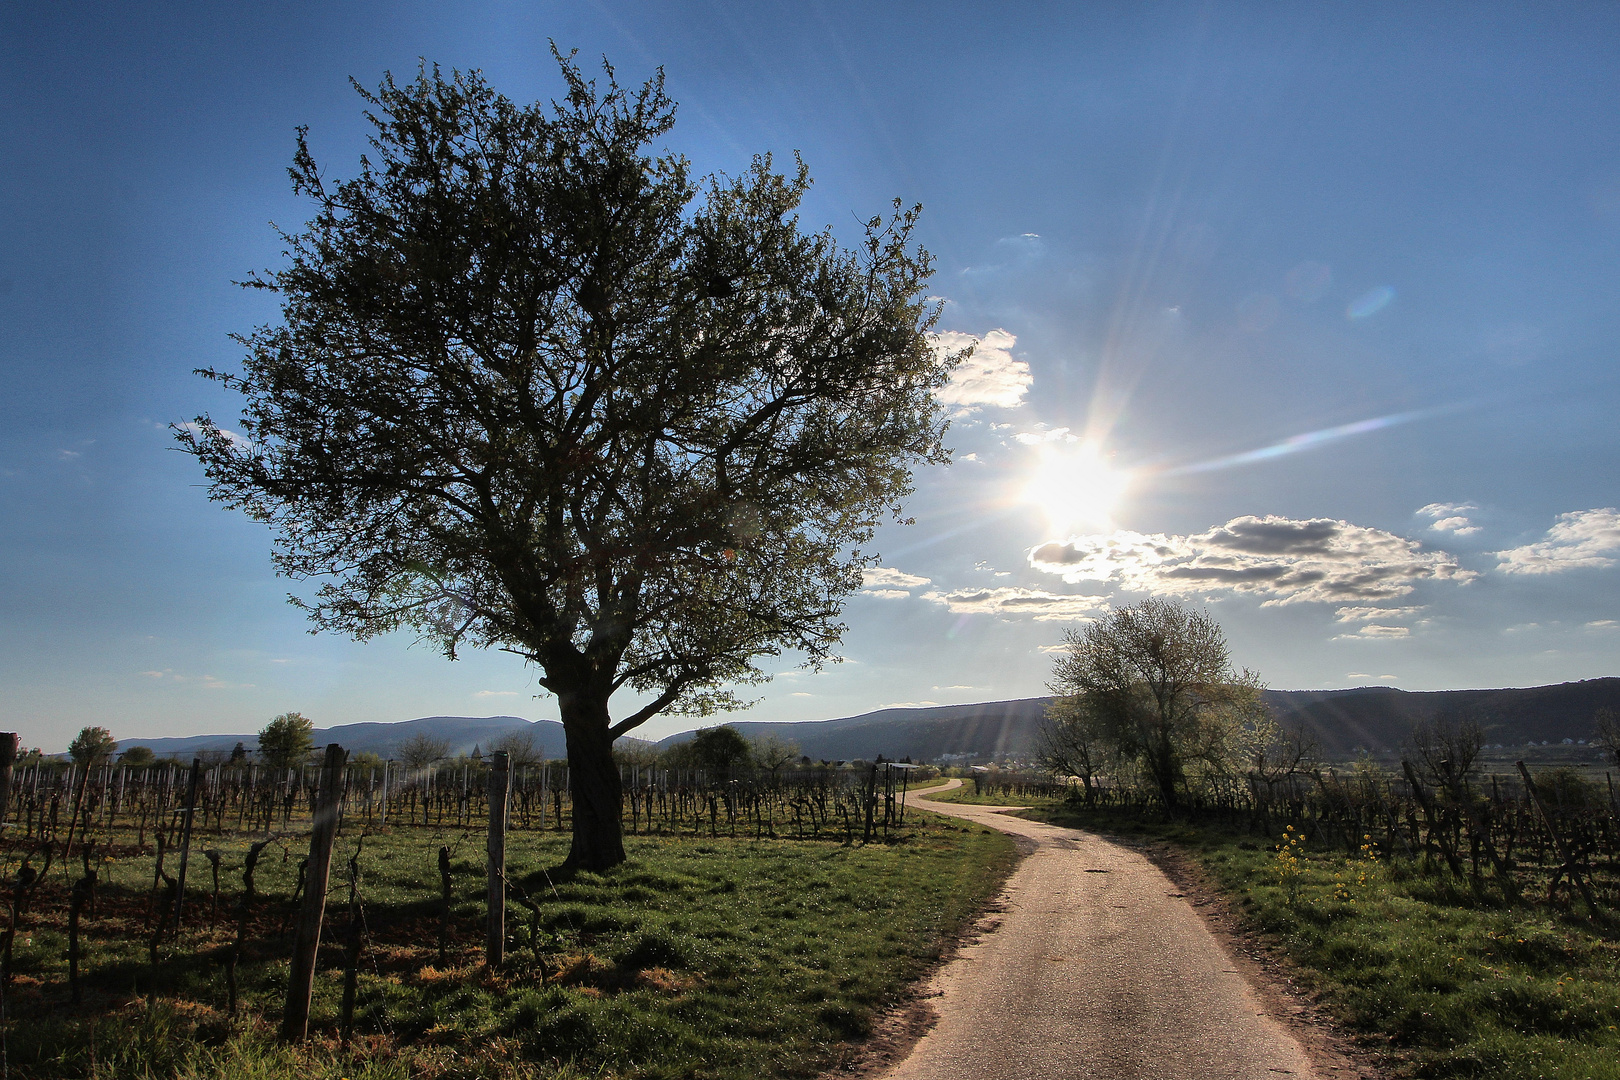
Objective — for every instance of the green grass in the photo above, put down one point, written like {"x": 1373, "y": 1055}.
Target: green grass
{"x": 699, "y": 957}
{"x": 1451, "y": 985}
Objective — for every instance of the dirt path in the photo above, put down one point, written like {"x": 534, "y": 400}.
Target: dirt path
{"x": 1097, "y": 967}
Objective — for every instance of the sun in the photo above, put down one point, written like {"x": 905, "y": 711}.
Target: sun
{"x": 1076, "y": 487}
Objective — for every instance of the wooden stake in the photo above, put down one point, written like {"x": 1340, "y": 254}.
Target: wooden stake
{"x": 445, "y": 888}
{"x": 190, "y": 812}
{"x": 495, "y": 927}
{"x": 318, "y": 872}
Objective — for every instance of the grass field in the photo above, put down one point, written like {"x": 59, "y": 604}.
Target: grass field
{"x": 1447, "y": 984}
{"x": 699, "y": 957}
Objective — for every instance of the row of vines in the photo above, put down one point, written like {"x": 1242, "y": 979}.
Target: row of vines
{"x": 1552, "y": 838}
{"x": 54, "y": 803}
{"x": 70, "y": 833}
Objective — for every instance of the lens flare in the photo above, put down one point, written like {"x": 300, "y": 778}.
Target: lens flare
{"x": 1312, "y": 439}
{"x": 1370, "y": 303}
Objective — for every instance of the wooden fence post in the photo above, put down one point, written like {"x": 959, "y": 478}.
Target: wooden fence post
{"x": 317, "y": 875}
{"x": 495, "y": 927}
{"x": 445, "y": 888}
{"x": 190, "y": 813}
{"x": 8, "y": 758}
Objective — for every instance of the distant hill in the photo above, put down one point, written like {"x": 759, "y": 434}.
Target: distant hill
{"x": 992, "y": 729}
{"x": 1379, "y": 718}
{"x": 1375, "y": 718}
{"x": 461, "y": 732}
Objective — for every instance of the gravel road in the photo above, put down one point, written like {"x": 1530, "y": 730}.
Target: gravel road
{"x": 1095, "y": 967}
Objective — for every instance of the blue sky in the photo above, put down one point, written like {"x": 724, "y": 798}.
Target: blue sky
{"x": 1303, "y": 312}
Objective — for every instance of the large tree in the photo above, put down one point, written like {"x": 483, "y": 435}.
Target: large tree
{"x": 1153, "y": 684}
{"x": 536, "y": 388}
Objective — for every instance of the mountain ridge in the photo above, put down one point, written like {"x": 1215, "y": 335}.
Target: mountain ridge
{"x": 1377, "y": 719}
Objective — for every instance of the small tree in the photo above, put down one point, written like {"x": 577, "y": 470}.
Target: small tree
{"x": 137, "y": 757}
{"x": 238, "y": 754}
{"x": 91, "y": 746}
{"x": 771, "y": 752}
{"x": 1073, "y": 740}
{"x": 421, "y": 750}
{"x": 1447, "y": 748}
{"x": 535, "y": 387}
{"x": 286, "y": 741}
{"x": 717, "y": 749}
{"x": 1155, "y": 685}
{"x": 519, "y": 746}
{"x": 1608, "y": 732}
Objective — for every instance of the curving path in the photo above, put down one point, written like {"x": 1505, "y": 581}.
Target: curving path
{"x": 1099, "y": 968}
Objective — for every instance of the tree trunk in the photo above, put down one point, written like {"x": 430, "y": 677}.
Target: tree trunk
{"x": 598, "y": 832}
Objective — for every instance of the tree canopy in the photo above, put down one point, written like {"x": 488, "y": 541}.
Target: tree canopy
{"x": 1153, "y": 686}
{"x": 536, "y": 388}
{"x": 520, "y": 748}
{"x": 286, "y": 741}
{"x": 421, "y": 750}
{"x": 91, "y": 746}
{"x": 718, "y": 749}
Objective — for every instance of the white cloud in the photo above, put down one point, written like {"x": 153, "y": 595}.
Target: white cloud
{"x": 1450, "y": 518}
{"x": 496, "y": 693}
{"x": 1364, "y": 675}
{"x": 886, "y": 594}
{"x": 207, "y": 682}
{"x": 989, "y": 377}
{"x": 1577, "y": 540}
{"x": 1373, "y": 630}
{"x": 1367, "y": 614}
{"x": 1010, "y": 602}
{"x": 1048, "y": 435}
{"x": 801, "y": 693}
{"x": 1317, "y": 560}
{"x": 1603, "y": 624}
{"x": 887, "y": 577}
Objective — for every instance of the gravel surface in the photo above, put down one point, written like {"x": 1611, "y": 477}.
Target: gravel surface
{"x": 1094, "y": 965}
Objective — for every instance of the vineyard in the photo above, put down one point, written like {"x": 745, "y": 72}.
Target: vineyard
{"x": 339, "y": 901}
{"x": 1513, "y": 836}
